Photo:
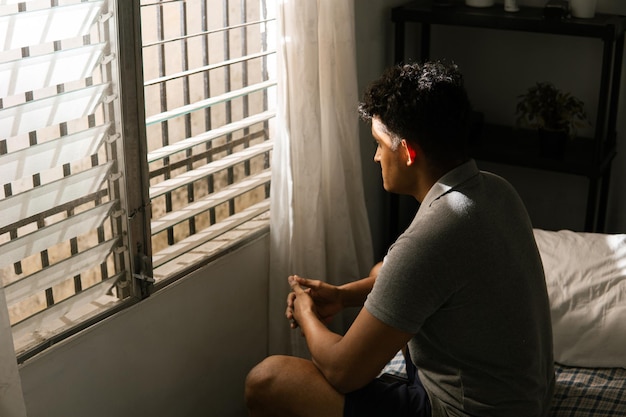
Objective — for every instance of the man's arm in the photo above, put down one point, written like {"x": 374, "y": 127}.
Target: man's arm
{"x": 348, "y": 362}
{"x": 355, "y": 293}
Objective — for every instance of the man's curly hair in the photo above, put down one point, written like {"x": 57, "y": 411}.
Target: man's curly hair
{"x": 423, "y": 103}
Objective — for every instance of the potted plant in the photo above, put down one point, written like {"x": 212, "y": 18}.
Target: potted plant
{"x": 555, "y": 114}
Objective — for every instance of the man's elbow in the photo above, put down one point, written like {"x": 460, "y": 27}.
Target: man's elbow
{"x": 344, "y": 382}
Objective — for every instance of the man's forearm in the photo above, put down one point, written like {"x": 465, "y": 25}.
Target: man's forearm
{"x": 322, "y": 344}
{"x": 354, "y": 293}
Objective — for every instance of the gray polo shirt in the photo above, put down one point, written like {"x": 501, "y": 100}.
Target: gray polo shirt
{"x": 466, "y": 278}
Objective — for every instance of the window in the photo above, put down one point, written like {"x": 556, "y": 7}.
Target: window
{"x": 135, "y": 145}
{"x": 209, "y": 111}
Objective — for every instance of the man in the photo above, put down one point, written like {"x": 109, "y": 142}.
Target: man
{"x": 463, "y": 286}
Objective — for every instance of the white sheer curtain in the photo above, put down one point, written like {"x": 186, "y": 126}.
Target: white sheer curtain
{"x": 319, "y": 226}
{"x": 11, "y": 398}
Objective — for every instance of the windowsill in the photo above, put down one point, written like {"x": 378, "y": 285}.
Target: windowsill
{"x": 211, "y": 250}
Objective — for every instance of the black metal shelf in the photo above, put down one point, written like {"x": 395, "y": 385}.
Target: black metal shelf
{"x": 527, "y": 19}
{"x": 589, "y": 157}
{"x": 521, "y": 147}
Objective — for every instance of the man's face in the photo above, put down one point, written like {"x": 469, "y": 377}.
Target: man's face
{"x": 392, "y": 162}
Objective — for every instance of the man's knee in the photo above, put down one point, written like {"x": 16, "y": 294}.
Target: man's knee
{"x": 260, "y": 375}
{"x": 289, "y": 386}
{"x": 260, "y": 381}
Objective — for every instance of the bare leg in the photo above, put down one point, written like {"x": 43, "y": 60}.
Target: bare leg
{"x": 286, "y": 386}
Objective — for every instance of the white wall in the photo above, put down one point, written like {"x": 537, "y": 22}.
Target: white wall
{"x": 184, "y": 351}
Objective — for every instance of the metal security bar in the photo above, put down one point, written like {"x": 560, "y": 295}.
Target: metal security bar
{"x": 209, "y": 88}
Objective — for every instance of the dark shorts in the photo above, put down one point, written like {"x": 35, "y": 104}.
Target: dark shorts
{"x": 389, "y": 397}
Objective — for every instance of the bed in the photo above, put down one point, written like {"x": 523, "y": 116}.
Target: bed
{"x": 586, "y": 281}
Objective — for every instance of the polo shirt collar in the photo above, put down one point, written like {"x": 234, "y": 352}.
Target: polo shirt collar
{"x": 450, "y": 180}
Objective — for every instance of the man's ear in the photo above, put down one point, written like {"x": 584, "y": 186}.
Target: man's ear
{"x": 410, "y": 152}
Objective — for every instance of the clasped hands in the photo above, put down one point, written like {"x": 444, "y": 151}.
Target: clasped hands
{"x": 310, "y": 296}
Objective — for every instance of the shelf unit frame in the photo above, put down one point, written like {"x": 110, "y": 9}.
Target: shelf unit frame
{"x": 589, "y": 157}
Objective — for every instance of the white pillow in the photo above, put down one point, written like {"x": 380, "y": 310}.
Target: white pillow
{"x": 586, "y": 280}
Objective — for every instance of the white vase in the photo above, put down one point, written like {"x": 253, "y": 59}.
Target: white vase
{"x": 479, "y": 3}
{"x": 584, "y": 9}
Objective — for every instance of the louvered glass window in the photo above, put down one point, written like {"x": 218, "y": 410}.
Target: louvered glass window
{"x": 60, "y": 226}
{"x": 116, "y": 169}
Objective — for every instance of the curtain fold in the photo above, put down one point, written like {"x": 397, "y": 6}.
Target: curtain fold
{"x": 11, "y": 397}
{"x": 319, "y": 225}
